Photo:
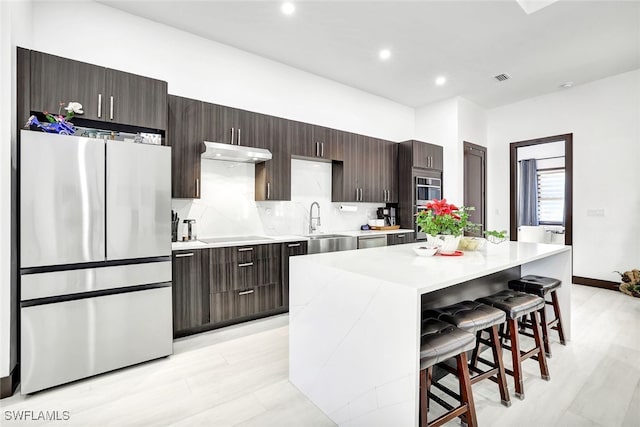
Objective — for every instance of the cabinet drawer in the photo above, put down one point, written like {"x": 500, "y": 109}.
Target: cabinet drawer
{"x": 244, "y": 267}
{"x": 296, "y": 248}
{"x": 231, "y": 305}
{"x": 233, "y": 255}
{"x": 398, "y": 239}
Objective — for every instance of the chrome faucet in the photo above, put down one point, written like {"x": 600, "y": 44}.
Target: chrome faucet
{"x": 312, "y": 227}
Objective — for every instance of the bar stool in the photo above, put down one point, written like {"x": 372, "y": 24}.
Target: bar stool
{"x": 475, "y": 317}
{"x": 541, "y": 286}
{"x": 441, "y": 341}
{"x": 516, "y": 305}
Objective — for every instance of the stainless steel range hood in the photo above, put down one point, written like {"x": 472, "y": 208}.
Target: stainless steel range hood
{"x": 235, "y": 153}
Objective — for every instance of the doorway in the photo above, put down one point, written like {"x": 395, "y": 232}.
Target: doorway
{"x": 541, "y": 189}
{"x": 475, "y": 183}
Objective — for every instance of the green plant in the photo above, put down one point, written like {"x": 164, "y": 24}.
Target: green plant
{"x": 440, "y": 217}
{"x": 497, "y": 234}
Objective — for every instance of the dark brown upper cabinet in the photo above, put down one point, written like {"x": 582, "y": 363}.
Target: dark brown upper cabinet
{"x": 136, "y": 100}
{"x": 390, "y": 171}
{"x": 229, "y": 125}
{"x": 427, "y": 156}
{"x": 368, "y": 171}
{"x": 273, "y": 177}
{"x": 316, "y": 142}
{"x": 105, "y": 94}
{"x": 185, "y": 136}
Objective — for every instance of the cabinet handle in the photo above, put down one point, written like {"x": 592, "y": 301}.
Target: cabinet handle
{"x": 268, "y": 190}
{"x": 245, "y": 249}
{"x": 322, "y": 149}
{"x": 357, "y": 194}
{"x": 294, "y": 245}
{"x": 239, "y": 135}
{"x": 246, "y": 264}
{"x": 231, "y": 140}
{"x": 197, "y": 187}
{"x": 184, "y": 255}
{"x": 246, "y": 292}
{"x": 99, "y": 105}
{"x": 361, "y": 194}
{"x": 400, "y": 236}
{"x": 111, "y": 108}
{"x": 317, "y": 149}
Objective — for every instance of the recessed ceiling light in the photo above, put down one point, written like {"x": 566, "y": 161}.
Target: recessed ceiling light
{"x": 385, "y": 54}
{"x": 441, "y": 80}
{"x": 288, "y": 8}
{"x": 566, "y": 85}
{"x": 218, "y": 154}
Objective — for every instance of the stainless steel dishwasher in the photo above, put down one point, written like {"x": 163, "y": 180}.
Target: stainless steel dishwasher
{"x": 365, "y": 242}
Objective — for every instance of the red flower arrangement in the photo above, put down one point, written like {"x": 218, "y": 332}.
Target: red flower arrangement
{"x": 441, "y": 217}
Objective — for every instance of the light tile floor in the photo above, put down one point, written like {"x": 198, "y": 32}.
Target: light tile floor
{"x": 237, "y": 376}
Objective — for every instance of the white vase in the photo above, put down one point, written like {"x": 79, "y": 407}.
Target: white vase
{"x": 446, "y": 243}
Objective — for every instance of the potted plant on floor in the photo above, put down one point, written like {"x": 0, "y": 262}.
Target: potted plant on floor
{"x": 444, "y": 224}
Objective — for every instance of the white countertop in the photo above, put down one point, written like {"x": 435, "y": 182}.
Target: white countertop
{"x": 400, "y": 265}
{"x": 355, "y": 320}
{"x": 261, "y": 240}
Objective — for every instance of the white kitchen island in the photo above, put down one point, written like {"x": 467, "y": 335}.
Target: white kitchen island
{"x": 355, "y": 319}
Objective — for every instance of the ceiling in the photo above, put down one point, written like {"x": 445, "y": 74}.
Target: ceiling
{"x": 468, "y": 42}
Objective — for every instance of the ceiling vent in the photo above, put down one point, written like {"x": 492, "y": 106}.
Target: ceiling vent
{"x": 502, "y": 77}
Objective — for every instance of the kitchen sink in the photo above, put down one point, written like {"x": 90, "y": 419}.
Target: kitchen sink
{"x": 320, "y": 243}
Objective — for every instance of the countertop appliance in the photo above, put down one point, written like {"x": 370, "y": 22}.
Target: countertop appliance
{"x": 387, "y": 214}
{"x": 95, "y": 256}
{"x": 189, "y": 232}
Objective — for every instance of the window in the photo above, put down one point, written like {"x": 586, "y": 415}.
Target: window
{"x": 551, "y": 196}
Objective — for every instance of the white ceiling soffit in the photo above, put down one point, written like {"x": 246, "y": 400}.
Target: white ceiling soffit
{"x": 468, "y": 42}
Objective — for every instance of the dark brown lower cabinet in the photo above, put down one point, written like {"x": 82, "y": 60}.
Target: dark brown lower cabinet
{"x": 217, "y": 287}
{"x": 288, "y": 250}
{"x": 190, "y": 295}
{"x": 232, "y": 305}
{"x": 399, "y": 239}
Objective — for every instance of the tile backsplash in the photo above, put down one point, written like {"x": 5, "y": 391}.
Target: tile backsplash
{"x": 227, "y": 206}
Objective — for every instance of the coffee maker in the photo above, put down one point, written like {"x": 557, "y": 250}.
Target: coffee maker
{"x": 388, "y": 214}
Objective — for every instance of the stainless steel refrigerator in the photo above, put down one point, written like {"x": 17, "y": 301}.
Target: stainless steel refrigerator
{"x": 95, "y": 256}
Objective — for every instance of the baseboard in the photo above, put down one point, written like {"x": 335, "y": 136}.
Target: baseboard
{"x": 9, "y": 383}
{"x": 596, "y": 283}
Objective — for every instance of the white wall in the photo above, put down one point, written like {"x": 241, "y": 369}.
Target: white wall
{"x": 227, "y": 206}
{"x": 449, "y": 123}
{"x": 198, "y": 68}
{"x": 14, "y": 30}
{"x": 437, "y": 124}
{"x": 604, "y": 119}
